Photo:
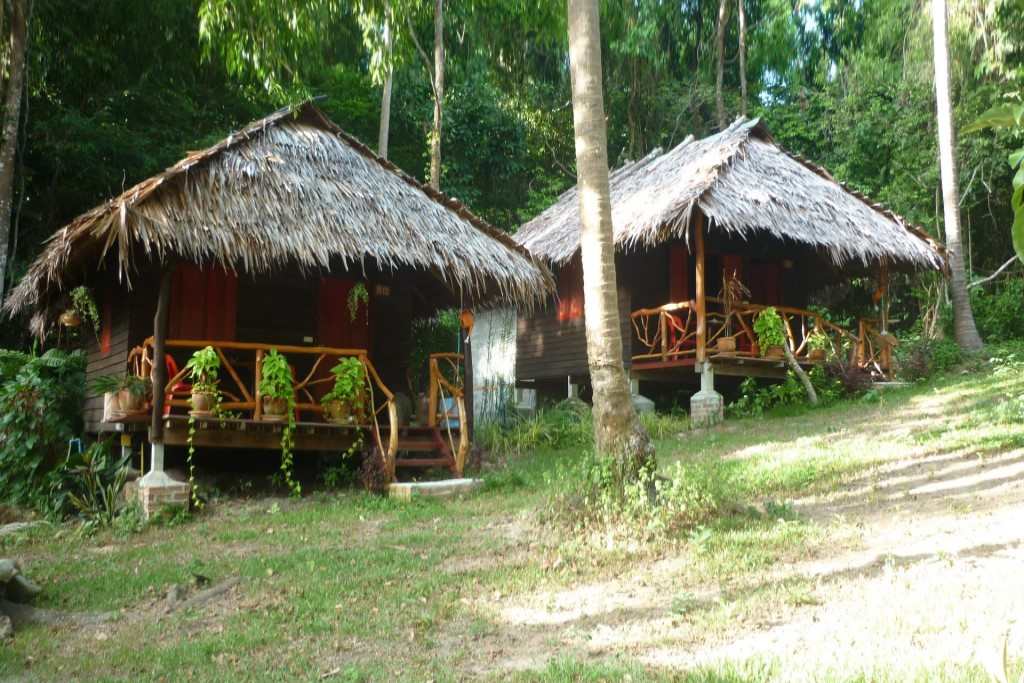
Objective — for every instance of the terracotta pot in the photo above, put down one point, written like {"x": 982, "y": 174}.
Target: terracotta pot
{"x": 202, "y": 404}
{"x": 338, "y": 412}
{"x": 275, "y": 409}
{"x": 131, "y": 403}
{"x": 775, "y": 353}
{"x": 726, "y": 344}
{"x": 70, "y": 318}
{"x": 816, "y": 355}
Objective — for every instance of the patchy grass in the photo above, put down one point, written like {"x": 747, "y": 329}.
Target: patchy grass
{"x": 355, "y": 587}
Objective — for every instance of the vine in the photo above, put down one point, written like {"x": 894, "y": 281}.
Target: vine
{"x": 356, "y": 295}
{"x": 276, "y": 382}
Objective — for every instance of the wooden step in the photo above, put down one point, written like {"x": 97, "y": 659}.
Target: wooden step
{"x": 423, "y": 462}
{"x": 421, "y": 445}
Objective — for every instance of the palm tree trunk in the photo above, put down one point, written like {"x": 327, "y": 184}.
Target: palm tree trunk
{"x": 18, "y": 36}
{"x": 435, "y": 135}
{"x": 743, "y": 57}
{"x": 617, "y": 430}
{"x": 963, "y": 318}
{"x": 385, "y": 97}
{"x": 723, "y": 19}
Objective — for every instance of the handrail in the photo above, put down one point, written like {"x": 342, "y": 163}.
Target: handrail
{"x": 439, "y": 386}
{"x": 674, "y": 338}
{"x": 241, "y": 398}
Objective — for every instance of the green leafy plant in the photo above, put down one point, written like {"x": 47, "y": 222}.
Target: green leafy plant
{"x": 818, "y": 341}
{"x": 769, "y": 328}
{"x": 93, "y": 481}
{"x": 203, "y": 368}
{"x": 276, "y": 382}
{"x": 40, "y": 410}
{"x": 83, "y": 304}
{"x": 1009, "y": 116}
{"x": 358, "y": 294}
{"x": 135, "y": 385}
{"x": 349, "y": 383}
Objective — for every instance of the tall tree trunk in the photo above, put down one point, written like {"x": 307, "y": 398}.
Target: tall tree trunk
{"x": 385, "y": 97}
{"x": 723, "y": 19}
{"x": 963, "y": 318}
{"x": 435, "y": 135}
{"x": 743, "y": 57}
{"x": 18, "y": 37}
{"x": 617, "y": 430}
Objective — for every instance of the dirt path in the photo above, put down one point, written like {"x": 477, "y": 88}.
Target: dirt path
{"x": 933, "y": 575}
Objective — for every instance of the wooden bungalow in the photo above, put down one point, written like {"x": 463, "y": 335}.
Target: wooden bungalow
{"x": 692, "y": 223}
{"x": 255, "y": 244}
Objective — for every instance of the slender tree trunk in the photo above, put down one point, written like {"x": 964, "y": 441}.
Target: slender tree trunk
{"x": 617, "y": 429}
{"x": 743, "y": 57}
{"x": 963, "y": 318}
{"x": 812, "y": 395}
{"x": 723, "y": 19}
{"x": 385, "y": 97}
{"x": 435, "y": 135}
{"x": 18, "y": 37}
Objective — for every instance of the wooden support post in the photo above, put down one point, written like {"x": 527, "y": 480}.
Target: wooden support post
{"x": 257, "y": 413}
{"x": 159, "y": 372}
{"x": 702, "y": 330}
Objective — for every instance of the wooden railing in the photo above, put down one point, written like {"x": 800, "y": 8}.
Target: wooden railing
{"x": 243, "y": 395}
{"x": 446, "y": 382}
{"x": 670, "y": 333}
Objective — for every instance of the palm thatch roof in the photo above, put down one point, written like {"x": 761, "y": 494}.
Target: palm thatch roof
{"x": 747, "y": 185}
{"x": 291, "y": 188}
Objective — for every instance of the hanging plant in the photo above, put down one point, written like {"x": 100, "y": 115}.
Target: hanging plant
{"x": 277, "y": 392}
{"x": 82, "y": 310}
{"x": 358, "y": 294}
{"x": 203, "y": 368}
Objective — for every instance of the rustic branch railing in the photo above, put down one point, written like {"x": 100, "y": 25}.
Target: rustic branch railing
{"x": 443, "y": 366}
{"x": 669, "y": 333}
{"x": 239, "y": 395}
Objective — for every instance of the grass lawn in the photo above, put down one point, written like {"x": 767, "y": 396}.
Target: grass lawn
{"x": 347, "y": 586}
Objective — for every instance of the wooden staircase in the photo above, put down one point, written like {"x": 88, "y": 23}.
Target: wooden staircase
{"x": 423, "y": 448}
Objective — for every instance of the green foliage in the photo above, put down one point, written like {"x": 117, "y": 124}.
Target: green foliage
{"x": 349, "y": 383}
{"x": 276, "y": 376}
{"x": 566, "y": 425}
{"x": 769, "y": 328}
{"x": 818, "y": 341}
{"x": 203, "y": 367}
{"x": 1009, "y": 116}
{"x": 40, "y": 411}
{"x": 276, "y": 382}
{"x": 84, "y": 305}
{"x": 999, "y": 312}
{"x": 358, "y": 294}
{"x": 137, "y": 386}
{"x": 93, "y": 482}
{"x": 918, "y": 358}
{"x": 756, "y": 398}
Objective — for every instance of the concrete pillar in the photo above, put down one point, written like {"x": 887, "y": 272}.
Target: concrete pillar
{"x": 707, "y": 407}
{"x": 157, "y": 490}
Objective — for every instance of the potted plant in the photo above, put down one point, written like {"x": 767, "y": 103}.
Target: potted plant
{"x": 771, "y": 333}
{"x": 726, "y": 344}
{"x": 203, "y": 367}
{"x": 276, "y": 390}
{"x": 124, "y": 393}
{"x": 817, "y": 345}
{"x": 345, "y": 402}
{"x": 82, "y": 309}
{"x": 358, "y": 294}
{"x": 733, "y": 292}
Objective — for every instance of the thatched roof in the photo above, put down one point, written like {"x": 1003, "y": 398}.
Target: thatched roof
{"x": 747, "y": 185}
{"x": 291, "y": 188}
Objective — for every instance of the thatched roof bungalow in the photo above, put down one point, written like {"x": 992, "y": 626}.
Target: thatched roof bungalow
{"x": 288, "y": 234}
{"x": 732, "y": 206}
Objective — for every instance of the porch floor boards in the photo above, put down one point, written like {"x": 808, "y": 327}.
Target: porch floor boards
{"x": 730, "y": 364}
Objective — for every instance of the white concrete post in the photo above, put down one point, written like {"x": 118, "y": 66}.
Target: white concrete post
{"x": 707, "y": 407}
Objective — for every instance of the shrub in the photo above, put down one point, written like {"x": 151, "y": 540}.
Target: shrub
{"x": 92, "y": 482}
{"x": 566, "y": 425}
{"x": 918, "y": 358}
{"x": 40, "y": 411}
{"x": 999, "y": 312}
{"x": 755, "y": 398}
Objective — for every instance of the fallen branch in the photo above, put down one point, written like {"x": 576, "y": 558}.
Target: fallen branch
{"x": 994, "y": 275}
{"x": 204, "y": 596}
{"x": 812, "y": 395}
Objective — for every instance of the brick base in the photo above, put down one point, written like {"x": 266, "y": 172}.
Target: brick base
{"x": 154, "y": 498}
{"x": 707, "y": 408}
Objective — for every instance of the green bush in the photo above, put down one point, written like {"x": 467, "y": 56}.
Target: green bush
{"x": 40, "y": 411}
{"x": 999, "y": 312}
{"x": 756, "y": 398}
{"x": 566, "y": 425}
{"x": 92, "y": 482}
{"x": 918, "y": 358}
